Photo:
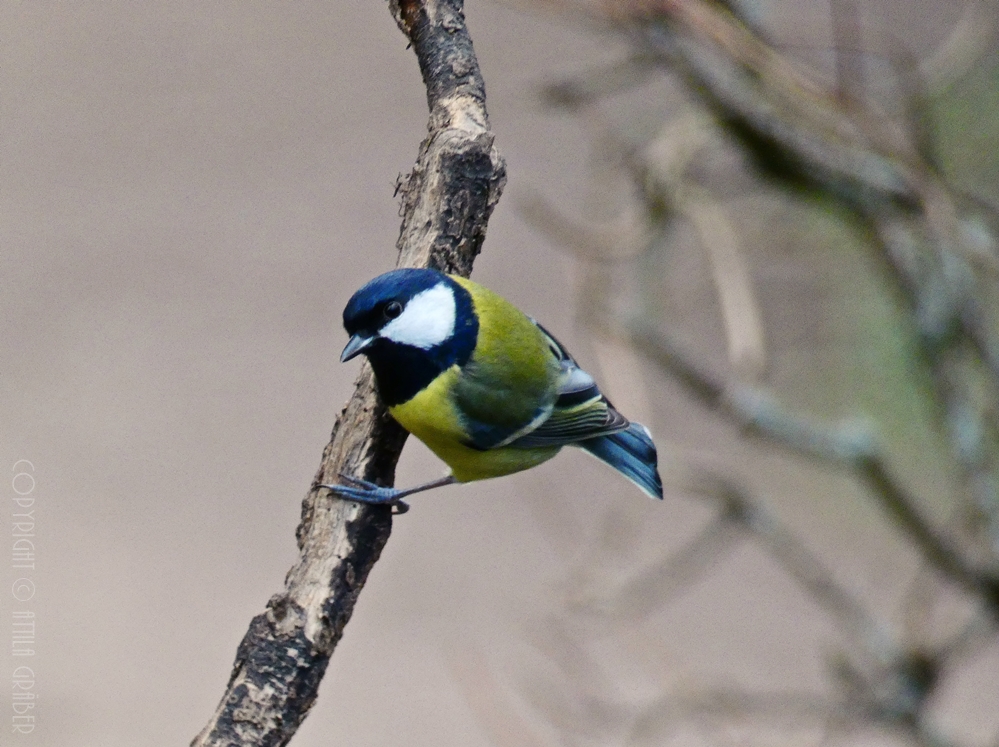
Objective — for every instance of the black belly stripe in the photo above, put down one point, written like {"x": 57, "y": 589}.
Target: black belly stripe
{"x": 401, "y": 371}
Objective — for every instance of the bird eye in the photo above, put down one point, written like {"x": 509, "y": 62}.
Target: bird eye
{"x": 393, "y": 309}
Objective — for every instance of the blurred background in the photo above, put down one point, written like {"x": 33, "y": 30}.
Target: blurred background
{"x": 767, "y": 227}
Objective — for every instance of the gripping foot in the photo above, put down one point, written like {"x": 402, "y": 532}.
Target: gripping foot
{"x": 364, "y": 491}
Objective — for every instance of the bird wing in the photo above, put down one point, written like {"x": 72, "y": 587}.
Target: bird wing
{"x": 509, "y": 385}
{"x": 580, "y": 410}
{"x": 521, "y": 388}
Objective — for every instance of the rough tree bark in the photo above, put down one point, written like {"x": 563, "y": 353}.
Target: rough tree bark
{"x": 446, "y": 203}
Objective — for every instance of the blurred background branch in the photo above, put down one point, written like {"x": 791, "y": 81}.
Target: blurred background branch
{"x": 731, "y": 161}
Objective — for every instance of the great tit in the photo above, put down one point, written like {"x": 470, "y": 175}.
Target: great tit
{"x": 487, "y": 388}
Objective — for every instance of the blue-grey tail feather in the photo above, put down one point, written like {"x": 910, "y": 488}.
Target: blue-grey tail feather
{"x": 632, "y": 453}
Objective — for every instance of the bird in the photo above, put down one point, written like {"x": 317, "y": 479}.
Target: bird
{"x": 486, "y": 387}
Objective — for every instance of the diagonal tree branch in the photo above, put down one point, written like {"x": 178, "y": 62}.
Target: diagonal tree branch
{"x": 446, "y": 203}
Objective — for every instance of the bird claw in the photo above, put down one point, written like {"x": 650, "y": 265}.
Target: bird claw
{"x": 358, "y": 482}
{"x": 364, "y": 491}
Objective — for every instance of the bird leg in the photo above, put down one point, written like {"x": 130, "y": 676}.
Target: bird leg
{"x": 363, "y": 491}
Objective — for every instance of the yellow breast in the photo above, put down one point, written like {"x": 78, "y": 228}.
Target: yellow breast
{"x": 432, "y": 417}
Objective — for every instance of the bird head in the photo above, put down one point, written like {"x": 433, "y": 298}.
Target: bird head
{"x": 411, "y": 307}
{"x": 411, "y": 324}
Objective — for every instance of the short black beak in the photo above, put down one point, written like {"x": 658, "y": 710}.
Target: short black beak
{"x": 356, "y": 345}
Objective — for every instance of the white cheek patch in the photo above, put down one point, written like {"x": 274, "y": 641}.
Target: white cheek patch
{"x": 427, "y": 320}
